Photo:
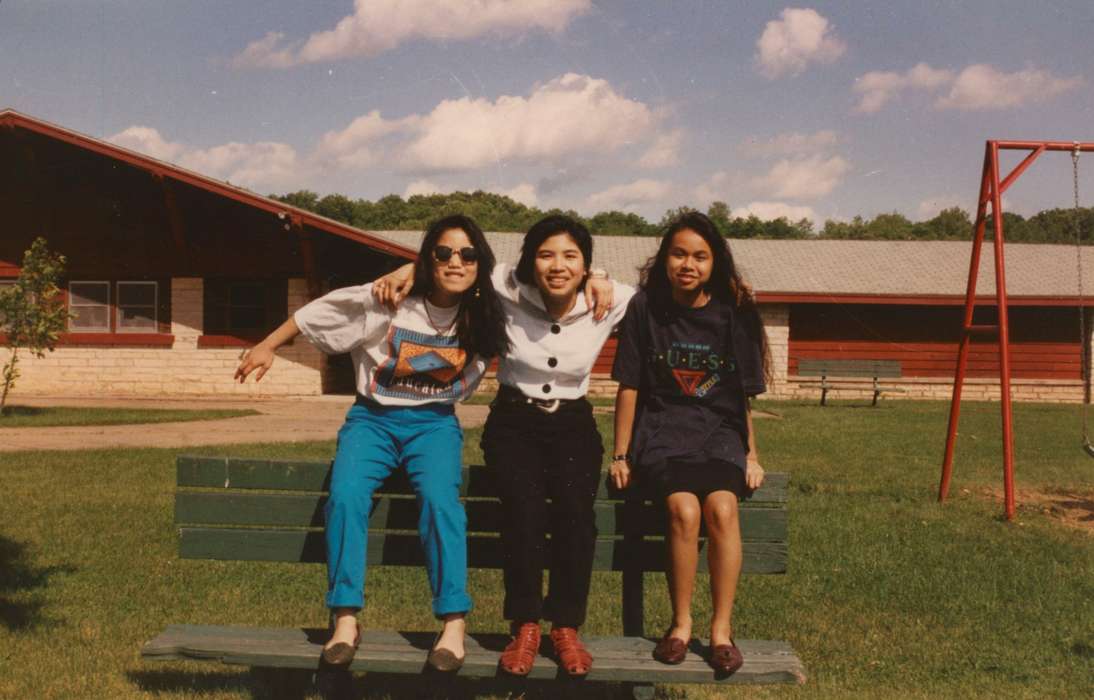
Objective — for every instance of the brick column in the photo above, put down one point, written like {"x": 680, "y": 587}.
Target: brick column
{"x": 776, "y": 319}
{"x": 186, "y": 311}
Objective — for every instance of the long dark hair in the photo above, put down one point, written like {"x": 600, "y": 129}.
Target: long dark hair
{"x": 725, "y": 283}
{"x": 480, "y": 322}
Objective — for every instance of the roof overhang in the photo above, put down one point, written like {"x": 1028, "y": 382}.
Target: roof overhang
{"x": 11, "y": 119}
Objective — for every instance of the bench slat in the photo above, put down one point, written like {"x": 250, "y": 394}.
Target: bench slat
{"x": 401, "y": 513}
{"x": 404, "y": 549}
{"x": 302, "y": 475}
{"x": 617, "y": 658}
{"x": 849, "y": 368}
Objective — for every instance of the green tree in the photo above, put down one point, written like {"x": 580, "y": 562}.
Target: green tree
{"x": 32, "y": 312}
{"x": 304, "y": 199}
{"x": 619, "y": 223}
{"x": 950, "y": 224}
{"x": 719, "y": 213}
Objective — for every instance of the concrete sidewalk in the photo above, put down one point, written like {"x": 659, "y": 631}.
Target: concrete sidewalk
{"x": 281, "y": 420}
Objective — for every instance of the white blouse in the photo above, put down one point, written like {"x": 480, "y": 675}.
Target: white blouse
{"x": 550, "y": 359}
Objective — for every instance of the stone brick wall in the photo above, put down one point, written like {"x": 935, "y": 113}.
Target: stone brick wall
{"x": 182, "y": 369}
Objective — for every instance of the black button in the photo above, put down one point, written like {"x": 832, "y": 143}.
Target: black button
{"x": 552, "y": 361}
{"x": 555, "y": 328}
{"x": 546, "y": 388}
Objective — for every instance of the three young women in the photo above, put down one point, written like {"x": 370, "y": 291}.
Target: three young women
{"x": 691, "y": 353}
{"x": 541, "y": 441}
{"x": 412, "y": 364}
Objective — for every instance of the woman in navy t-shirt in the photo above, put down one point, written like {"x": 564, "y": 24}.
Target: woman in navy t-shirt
{"x": 691, "y": 352}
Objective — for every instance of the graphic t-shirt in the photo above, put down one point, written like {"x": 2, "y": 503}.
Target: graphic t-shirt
{"x": 401, "y": 358}
{"x": 693, "y": 368}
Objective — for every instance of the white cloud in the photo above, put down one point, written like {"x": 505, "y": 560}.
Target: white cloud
{"x": 769, "y": 211}
{"x": 260, "y": 165}
{"x": 788, "y": 45}
{"x": 981, "y": 86}
{"x": 570, "y": 114}
{"x": 793, "y": 143}
{"x": 664, "y": 152}
{"x": 146, "y": 140}
{"x": 525, "y": 193}
{"x": 976, "y": 87}
{"x": 629, "y": 196}
{"x": 380, "y": 25}
{"x": 879, "y": 87}
{"x": 357, "y": 145}
{"x": 424, "y": 187}
{"x": 803, "y": 178}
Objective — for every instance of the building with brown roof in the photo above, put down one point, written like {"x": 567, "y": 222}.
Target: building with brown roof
{"x": 172, "y": 274}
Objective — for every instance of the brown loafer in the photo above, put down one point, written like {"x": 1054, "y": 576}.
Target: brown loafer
{"x": 572, "y": 655}
{"x": 726, "y": 658}
{"x": 520, "y": 654}
{"x": 670, "y": 650}
{"x": 444, "y": 660}
{"x": 341, "y": 654}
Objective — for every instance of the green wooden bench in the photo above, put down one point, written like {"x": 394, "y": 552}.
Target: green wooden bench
{"x": 851, "y": 374}
{"x": 272, "y": 510}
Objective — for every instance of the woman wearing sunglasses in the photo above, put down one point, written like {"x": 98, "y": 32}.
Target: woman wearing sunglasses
{"x": 412, "y": 365}
{"x": 540, "y": 440}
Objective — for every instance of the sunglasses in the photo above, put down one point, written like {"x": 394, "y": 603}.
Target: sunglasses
{"x": 468, "y": 255}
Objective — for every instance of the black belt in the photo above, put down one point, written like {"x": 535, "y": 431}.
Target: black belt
{"x": 508, "y": 394}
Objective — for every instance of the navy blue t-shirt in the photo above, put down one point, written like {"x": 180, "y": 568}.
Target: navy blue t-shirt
{"x": 693, "y": 368}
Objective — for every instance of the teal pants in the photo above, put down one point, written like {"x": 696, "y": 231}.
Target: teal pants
{"x": 375, "y": 441}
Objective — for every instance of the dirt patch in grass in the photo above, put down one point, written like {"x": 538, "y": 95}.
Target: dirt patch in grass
{"x": 1071, "y": 508}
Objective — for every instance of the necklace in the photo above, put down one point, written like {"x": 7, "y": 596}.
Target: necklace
{"x": 429, "y": 317}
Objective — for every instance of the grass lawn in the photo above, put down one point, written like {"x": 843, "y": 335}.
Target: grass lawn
{"x": 889, "y": 594}
{"x": 52, "y": 416}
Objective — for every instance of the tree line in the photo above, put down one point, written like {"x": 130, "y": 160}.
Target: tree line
{"x": 496, "y": 212}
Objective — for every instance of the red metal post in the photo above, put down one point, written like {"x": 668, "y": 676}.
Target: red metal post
{"x": 966, "y": 325}
{"x": 1004, "y": 336}
{"x": 991, "y": 189}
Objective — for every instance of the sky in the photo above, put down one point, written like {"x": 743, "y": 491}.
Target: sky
{"x": 823, "y": 110}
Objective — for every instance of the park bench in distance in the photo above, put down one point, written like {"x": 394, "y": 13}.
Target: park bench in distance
{"x": 837, "y": 375}
{"x": 272, "y": 510}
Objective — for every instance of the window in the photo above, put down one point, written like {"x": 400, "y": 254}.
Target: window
{"x": 136, "y": 310}
{"x": 244, "y": 308}
{"x": 89, "y": 303}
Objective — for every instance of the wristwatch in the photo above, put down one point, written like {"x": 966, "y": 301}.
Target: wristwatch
{"x": 621, "y": 458}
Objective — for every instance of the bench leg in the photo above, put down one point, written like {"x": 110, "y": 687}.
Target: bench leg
{"x": 283, "y": 683}
{"x": 640, "y": 691}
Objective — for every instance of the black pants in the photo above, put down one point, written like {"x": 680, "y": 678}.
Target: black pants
{"x": 534, "y": 456}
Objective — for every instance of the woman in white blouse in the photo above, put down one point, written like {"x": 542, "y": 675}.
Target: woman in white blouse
{"x": 541, "y": 440}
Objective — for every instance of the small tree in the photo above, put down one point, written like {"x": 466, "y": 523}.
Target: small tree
{"x": 32, "y": 312}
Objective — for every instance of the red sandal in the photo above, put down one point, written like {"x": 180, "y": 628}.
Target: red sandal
{"x": 572, "y": 655}
{"x": 520, "y": 654}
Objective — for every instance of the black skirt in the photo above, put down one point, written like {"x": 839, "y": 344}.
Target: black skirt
{"x": 701, "y": 479}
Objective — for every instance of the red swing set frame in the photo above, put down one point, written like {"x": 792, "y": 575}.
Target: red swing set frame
{"x": 991, "y": 190}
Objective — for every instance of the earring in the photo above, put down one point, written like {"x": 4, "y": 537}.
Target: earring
{"x": 476, "y": 292}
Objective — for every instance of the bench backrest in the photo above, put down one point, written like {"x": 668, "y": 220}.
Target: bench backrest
{"x": 849, "y": 368}
{"x": 272, "y": 510}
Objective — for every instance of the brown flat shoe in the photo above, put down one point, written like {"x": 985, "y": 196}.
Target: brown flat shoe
{"x": 670, "y": 650}
{"x": 444, "y": 660}
{"x": 341, "y": 654}
{"x": 572, "y": 655}
{"x": 726, "y": 658}
{"x": 520, "y": 654}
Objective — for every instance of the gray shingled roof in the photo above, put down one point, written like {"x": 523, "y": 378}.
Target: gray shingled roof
{"x": 833, "y": 267}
